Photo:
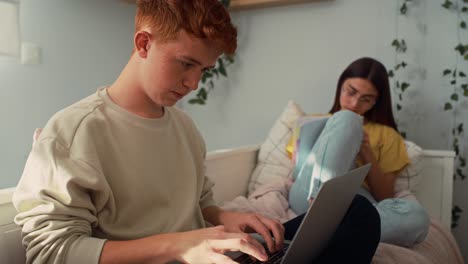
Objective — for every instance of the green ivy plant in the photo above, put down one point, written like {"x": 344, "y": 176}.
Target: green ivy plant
{"x": 207, "y": 79}
{"x": 399, "y": 44}
{"x": 456, "y": 79}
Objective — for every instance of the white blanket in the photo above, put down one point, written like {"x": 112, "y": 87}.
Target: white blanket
{"x": 270, "y": 200}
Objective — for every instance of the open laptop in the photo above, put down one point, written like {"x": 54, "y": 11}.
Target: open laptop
{"x": 320, "y": 222}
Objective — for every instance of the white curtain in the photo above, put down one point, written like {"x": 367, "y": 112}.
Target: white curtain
{"x": 9, "y": 28}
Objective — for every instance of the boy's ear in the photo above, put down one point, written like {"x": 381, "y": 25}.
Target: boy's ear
{"x": 142, "y": 43}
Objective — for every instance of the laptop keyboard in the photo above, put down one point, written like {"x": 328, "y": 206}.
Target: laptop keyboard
{"x": 273, "y": 258}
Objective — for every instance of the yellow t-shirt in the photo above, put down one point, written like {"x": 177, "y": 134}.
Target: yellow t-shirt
{"x": 387, "y": 146}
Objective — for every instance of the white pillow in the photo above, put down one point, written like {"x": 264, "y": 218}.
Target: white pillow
{"x": 273, "y": 162}
{"x": 410, "y": 177}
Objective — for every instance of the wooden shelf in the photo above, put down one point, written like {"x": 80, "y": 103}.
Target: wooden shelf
{"x": 249, "y": 4}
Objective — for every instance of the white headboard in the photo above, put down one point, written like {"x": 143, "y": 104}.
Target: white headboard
{"x": 436, "y": 189}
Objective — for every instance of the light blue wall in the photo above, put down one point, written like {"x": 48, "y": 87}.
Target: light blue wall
{"x": 291, "y": 52}
{"x": 84, "y": 44}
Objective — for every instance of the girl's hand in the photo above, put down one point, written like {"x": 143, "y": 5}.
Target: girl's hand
{"x": 365, "y": 153}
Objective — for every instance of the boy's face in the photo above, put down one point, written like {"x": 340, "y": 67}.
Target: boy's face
{"x": 171, "y": 70}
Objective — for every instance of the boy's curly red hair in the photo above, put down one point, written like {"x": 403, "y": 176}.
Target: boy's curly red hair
{"x": 205, "y": 19}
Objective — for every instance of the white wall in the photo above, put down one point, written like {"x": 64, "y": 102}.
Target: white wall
{"x": 291, "y": 52}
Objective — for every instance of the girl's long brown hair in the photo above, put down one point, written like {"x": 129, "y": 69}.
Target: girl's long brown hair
{"x": 376, "y": 73}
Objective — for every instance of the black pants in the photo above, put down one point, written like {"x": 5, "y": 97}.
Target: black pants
{"x": 356, "y": 238}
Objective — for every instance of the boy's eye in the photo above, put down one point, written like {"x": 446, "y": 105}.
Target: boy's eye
{"x": 186, "y": 64}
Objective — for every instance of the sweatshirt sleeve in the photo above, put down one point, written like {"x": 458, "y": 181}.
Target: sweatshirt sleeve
{"x": 206, "y": 198}
{"x": 56, "y": 201}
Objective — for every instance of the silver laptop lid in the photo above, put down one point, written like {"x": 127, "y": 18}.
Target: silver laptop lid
{"x": 324, "y": 216}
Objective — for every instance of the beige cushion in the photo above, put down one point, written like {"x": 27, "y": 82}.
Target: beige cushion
{"x": 273, "y": 161}
{"x": 410, "y": 177}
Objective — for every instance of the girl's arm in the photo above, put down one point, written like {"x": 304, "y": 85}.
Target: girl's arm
{"x": 380, "y": 184}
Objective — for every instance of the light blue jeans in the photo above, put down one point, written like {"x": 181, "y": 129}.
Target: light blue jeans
{"x": 328, "y": 148}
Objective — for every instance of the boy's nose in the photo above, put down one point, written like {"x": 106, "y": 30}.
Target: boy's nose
{"x": 191, "y": 82}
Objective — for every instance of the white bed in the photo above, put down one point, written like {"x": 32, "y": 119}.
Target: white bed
{"x": 230, "y": 169}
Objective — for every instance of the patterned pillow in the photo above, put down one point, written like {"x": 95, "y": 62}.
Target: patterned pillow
{"x": 273, "y": 162}
{"x": 410, "y": 177}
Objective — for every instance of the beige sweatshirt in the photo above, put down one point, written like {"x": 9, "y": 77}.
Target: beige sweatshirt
{"x": 99, "y": 172}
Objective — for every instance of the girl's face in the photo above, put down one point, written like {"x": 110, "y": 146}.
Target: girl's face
{"x": 358, "y": 95}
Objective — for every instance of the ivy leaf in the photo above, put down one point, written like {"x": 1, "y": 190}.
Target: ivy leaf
{"x": 400, "y": 97}
{"x": 465, "y": 93}
{"x": 403, "y": 9}
{"x": 463, "y": 24}
{"x": 215, "y": 72}
{"x": 454, "y": 73}
{"x": 390, "y": 74}
{"x": 403, "y": 46}
{"x": 460, "y": 48}
{"x": 206, "y": 75}
{"x": 448, "y": 106}
{"x": 447, "y": 72}
{"x": 398, "y": 107}
{"x": 464, "y": 9}
{"x": 455, "y": 215}
{"x": 461, "y": 74}
{"x": 396, "y": 43}
{"x": 462, "y": 162}
{"x": 196, "y": 101}
{"x": 457, "y": 209}
{"x": 466, "y": 57}
{"x": 454, "y": 97}
{"x": 460, "y": 128}
{"x": 202, "y": 94}
{"x": 453, "y": 82}
{"x": 403, "y": 64}
{"x": 398, "y": 84}
{"x": 447, "y": 4}
{"x": 222, "y": 69}
{"x": 404, "y": 86}
{"x": 464, "y": 86}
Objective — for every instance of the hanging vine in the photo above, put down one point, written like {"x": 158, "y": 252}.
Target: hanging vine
{"x": 207, "y": 79}
{"x": 456, "y": 79}
{"x": 400, "y": 46}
